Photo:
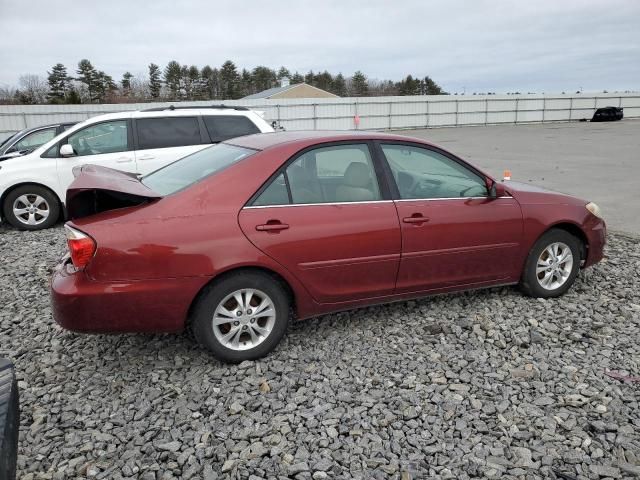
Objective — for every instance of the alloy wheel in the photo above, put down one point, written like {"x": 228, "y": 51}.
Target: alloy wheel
{"x": 554, "y": 266}
{"x": 244, "y": 319}
{"x": 31, "y": 209}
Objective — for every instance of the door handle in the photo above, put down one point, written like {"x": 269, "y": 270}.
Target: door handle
{"x": 124, "y": 160}
{"x": 272, "y": 226}
{"x": 417, "y": 218}
{"x": 146, "y": 157}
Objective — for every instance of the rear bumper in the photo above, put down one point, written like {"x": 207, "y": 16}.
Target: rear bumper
{"x": 83, "y": 305}
{"x": 596, "y": 232}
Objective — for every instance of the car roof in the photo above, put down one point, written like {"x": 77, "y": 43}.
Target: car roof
{"x": 178, "y": 112}
{"x": 263, "y": 141}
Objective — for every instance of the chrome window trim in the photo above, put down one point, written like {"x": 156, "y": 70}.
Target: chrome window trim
{"x": 448, "y": 198}
{"x": 316, "y": 204}
{"x": 370, "y": 201}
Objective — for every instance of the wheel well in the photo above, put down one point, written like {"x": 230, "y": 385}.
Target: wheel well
{"x": 285, "y": 285}
{"x": 18, "y": 185}
{"x": 576, "y": 232}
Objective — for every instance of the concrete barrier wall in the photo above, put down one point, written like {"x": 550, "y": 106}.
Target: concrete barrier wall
{"x": 363, "y": 113}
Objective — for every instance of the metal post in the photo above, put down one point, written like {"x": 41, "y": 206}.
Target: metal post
{"x": 24, "y": 120}
{"x": 278, "y": 113}
{"x": 355, "y": 114}
{"x": 486, "y": 110}
{"x": 544, "y": 105}
{"x": 516, "y": 119}
{"x": 570, "y": 108}
{"x": 427, "y": 115}
{"x": 315, "y": 116}
{"x": 619, "y": 101}
{"x": 390, "y": 112}
{"x": 456, "y": 112}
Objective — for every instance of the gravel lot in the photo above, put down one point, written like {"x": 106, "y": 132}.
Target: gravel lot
{"x": 484, "y": 384}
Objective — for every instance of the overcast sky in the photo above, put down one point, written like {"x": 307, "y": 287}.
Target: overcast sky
{"x": 480, "y": 45}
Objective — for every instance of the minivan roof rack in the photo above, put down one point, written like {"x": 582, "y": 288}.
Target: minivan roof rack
{"x": 173, "y": 107}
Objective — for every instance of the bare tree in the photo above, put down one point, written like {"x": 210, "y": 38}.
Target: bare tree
{"x": 33, "y": 89}
{"x": 7, "y": 95}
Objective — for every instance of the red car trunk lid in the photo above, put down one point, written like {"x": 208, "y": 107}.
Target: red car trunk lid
{"x": 98, "y": 189}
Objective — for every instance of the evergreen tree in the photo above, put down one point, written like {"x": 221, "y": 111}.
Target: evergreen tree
{"x": 263, "y": 78}
{"x": 206, "y": 81}
{"x": 73, "y": 97}
{"x": 192, "y": 83}
{"x": 172, "y": 76}
{"x": 283, "y": 72}
{"x": 431, "y": 88}
{"x": 339, "y": 86}
{"x": 126, "y": 83}
{"x": 409, "y": 86}
{"x": 246, "y": 85}
{"x": 230, "y": 81}
{"x": 296, "y": 78}
{"x": 323, "y": 81}
{"x": 359, "y": 84}
{"x": 88, "y": 76}
{"x": 155, "y": 85}
{"x": 59, "y": 83}
{"x": 105, "y": 86}
{"x": 309, "y": 78}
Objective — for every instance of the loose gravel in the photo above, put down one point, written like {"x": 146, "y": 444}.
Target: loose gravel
{"x": 485, "y": 384}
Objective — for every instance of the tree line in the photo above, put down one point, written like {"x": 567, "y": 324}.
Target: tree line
{"x": 175, "y": 82}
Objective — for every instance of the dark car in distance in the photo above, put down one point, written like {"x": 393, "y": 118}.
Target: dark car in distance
{"x": 233, "y": 239}
{"x": 608, "y": 114}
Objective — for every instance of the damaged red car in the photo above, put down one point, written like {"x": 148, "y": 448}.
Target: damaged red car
{"x": 236, "y": 239}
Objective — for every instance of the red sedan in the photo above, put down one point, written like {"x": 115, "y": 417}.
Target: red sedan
{"x": 233, "y": 240}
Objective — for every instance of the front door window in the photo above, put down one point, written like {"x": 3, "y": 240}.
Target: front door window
{"x": 106, "y": 137}
{"x": 423, "y": 174}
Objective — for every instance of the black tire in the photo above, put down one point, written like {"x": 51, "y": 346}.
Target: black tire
{"x": 205, "y": 308}
{"x": 529, "y": 282}
{"x": 31, "y": 191}
{"x": 9, "y": 421}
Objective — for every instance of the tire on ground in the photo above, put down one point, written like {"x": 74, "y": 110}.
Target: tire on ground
{"x": 529, "y": 283}
{"x": 9, "y": 421}
{"x": 203, "y": 313}
{"x": 48, "y": 195}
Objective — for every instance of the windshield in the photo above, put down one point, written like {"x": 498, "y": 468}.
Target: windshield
{"x": 8, "y": 139}
{"x": 188, "y": 170}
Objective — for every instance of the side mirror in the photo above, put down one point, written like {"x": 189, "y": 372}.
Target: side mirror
{"x": 497, "y": 190}
{"x": 67, "y": 150}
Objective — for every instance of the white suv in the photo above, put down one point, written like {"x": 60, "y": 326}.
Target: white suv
{"x": 33, "y": 187}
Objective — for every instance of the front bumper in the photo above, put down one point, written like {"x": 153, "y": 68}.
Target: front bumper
{"x": 596, "y": 232}
{"x": 84, "y": 305}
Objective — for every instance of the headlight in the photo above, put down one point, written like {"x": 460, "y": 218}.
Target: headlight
{"x": 595, "y": 209}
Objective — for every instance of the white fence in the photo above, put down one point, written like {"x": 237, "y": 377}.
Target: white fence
{"x": 365, "y": 113}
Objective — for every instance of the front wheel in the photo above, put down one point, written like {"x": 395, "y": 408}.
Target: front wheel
{"x": 241, "y": 317}
{"x": 31, "y": 207}
{"x": 552, "y": 265}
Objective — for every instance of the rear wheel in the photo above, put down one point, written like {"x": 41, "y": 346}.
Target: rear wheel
{"x": 241, "y": 317}
{"x": 552, "y": 265}
{"x": 31, "y": 207}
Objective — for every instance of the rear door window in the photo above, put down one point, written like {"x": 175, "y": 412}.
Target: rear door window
{"x": 224, "y": 127}
{"x": 167, "y": 132}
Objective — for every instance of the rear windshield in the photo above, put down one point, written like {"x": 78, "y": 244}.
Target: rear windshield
{"x": 188, "y": 170}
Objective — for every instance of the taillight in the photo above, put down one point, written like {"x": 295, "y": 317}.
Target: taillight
{"x": 81, "y": 246}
